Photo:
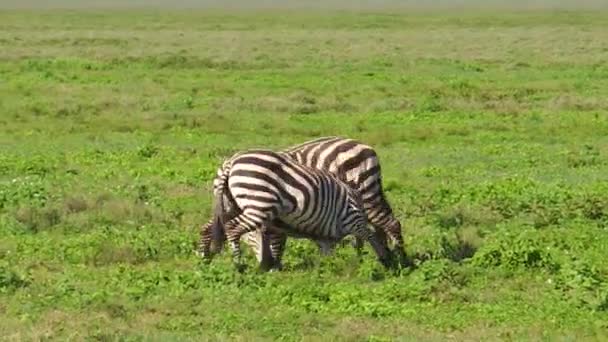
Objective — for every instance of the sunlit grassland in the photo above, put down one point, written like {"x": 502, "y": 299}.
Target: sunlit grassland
{"x": 491, "y": 129}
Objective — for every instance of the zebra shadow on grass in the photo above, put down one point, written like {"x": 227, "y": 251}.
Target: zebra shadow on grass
{"x": 305, "y": 256}
{"x": 455, "y": 251}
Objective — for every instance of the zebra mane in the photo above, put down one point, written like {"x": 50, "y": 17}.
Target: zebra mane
{"x": 310, "y": 142}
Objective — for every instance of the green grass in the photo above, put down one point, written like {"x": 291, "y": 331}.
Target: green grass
{"x": 492, "y": 131}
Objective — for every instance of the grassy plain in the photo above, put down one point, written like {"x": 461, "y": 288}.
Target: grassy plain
{"x": 492, "y": 130}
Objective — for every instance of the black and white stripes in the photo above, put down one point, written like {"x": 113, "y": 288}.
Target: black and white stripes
{"x": 266, "y": 191}
{"x": 356, "y": 163}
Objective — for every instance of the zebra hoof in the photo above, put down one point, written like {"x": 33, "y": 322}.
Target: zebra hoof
{"x": 203, "y": 256}
{"x": 278, "y": 267}
{"x": 240, "y": 268}
{"x": 403, "y": 260}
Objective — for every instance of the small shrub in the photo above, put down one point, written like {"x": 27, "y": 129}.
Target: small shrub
{"x": 37, "y": 166}
{"x": 108, "y": 253}
{"x": 10, "y": 280}
{"x": 371, "y": 270}
{"x": 188, "y": 102}
{"x": 434, "y": 279}
{"x": 303, "y": 97}
{"x": 148, "y": 151}
{"x": 584, "y": 285}
{"x": 36, "y": 219}
{"x": 432, "y": 171}
{"x": 545, "y": 216}
{"x": 453, "y": 218}
{"x": 306, "y": 108}
{"x": 24, "y": 191}
{"x": 587, "y": 156}
{"x": 76, "y": 204}
{"x": 119, "y": 211}
{"x": 514, "y": 252}
{"x": 463, "y": 88}
{"x": 102, "y": 198}
{"x": 302, "y": 255}
{"x": 430, "y": 104}
{"x": 462, "y": 246}
{"x": 593, "y": 206}
{"x": 134, "y": 248}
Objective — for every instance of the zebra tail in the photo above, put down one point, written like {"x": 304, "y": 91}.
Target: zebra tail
{"x": 219, "y": 212}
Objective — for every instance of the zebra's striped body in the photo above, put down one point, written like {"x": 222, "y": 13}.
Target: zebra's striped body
{"x": 358, "y": 165}
{"x": 266, "y": 191}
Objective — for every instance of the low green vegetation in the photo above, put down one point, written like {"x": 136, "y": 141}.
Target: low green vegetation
{"x": 491, "y": 128}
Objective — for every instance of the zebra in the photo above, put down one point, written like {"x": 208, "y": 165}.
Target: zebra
{"x": 354, "y": 162}
{"x": 263, "y": 190}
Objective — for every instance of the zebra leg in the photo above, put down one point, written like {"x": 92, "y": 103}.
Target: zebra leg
{"x": 357, "y": 244}
{"x": 259, "y": 242}
{"x": 326, "y": 248}
{"x": 263, "y": 252}
{"x": 204, "y": 246}
{"x": 234, "y": 231}
{"x": 268, "y": 248}
{"x": 277, "y": 243}
{"x": 211, "y": 240}
{"x": 243, "y": 223}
